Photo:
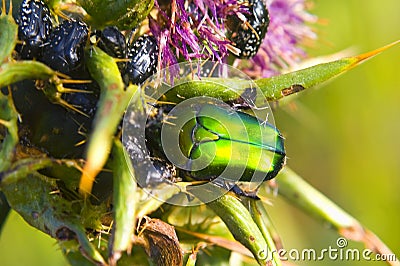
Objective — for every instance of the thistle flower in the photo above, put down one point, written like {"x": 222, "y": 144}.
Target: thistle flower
{"x": 281, "y": 47}
{"x": 195, "y": 29}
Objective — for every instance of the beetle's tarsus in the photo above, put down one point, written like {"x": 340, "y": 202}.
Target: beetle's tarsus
{"x": 236, "y": 189}
{"x": 240, "y": 192}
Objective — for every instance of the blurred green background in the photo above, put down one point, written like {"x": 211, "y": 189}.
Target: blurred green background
{"x": 342, "y": 138}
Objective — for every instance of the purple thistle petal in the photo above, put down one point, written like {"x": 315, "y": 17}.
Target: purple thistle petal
{"x": 194, "y": 29}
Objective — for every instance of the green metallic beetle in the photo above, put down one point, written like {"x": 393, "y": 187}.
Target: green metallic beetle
{"x": 218, "y": 142}
{"x": 240, "y": 140}
{"x": 204, "y": 124}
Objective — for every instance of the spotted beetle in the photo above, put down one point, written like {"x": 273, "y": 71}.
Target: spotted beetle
{"x": 34, "y": 27}
{"x": 248, "y": 35}
{"x": 64, "y": 51}
{"x": 143, "y": 55}
{"x": 112, "y": 41}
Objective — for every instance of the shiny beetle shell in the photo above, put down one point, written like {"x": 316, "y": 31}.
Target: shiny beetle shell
{"x": 143, "y": 55}
{"x": 34, "y": 27}
{"x": 64, "y": 51}
{"x": 220, "y": 140}
{"x": 244, "y": 142}
{"x": 248, "y": 35}
{"x": 112, "y": 41}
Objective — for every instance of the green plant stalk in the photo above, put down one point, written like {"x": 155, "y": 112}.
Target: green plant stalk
{"x": 114, "y": 99}
{"x": 13, "y": 72}
{"x": 240, "y": 223}
{"x": 16, "y": 71}
{"x": 260, "y": 217}
{"x": 8, "y": 119}
{"x": 269, "y": 225}
{"x": 242, "y": 226}
{"x": 293, "y": 188}
{"x": 22, "y": 168}
{"x": 8, "y": 34}
{"x": 125, "y": 202}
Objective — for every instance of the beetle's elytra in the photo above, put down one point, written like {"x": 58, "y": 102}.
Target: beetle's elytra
{"x": 64, "y": 50}
{"x": 143, "y": 55}
{"x": 241, "y": 141}
{"x": 112, "y": 41}
{"x": 215, "y": 135}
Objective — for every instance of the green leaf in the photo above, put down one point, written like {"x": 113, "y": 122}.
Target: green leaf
{"x": 277, "y": 87}
{"x": 38, "y": 200}
{"x": 13, "y": 72}
{"x": 8, "y": 34}
{"x": 8, "y": 119}
{"x": 271, "y": 89}
{"x": 114, "y": 99}
{"x": 22, "y": 168}
{"x": 125, "y": 201}
{"x": 124, "y": 14}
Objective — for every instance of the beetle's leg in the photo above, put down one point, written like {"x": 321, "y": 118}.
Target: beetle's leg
{"x": 240, "y": 192}
{"x": 230, "y": 186}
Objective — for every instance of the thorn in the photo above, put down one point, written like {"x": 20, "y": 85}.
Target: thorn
{"x": 62, "y": 75}
{"x": 365, "y": 56}
{"x": 86, "y": 182}
{"x": 70, "y": 106}
{"x": 124, "y": 60}
{"x": 69, "y": 90}
{"x": 75, "y": 81}
{"x": 80, "y": 143}
{"x": 4, "y": 12}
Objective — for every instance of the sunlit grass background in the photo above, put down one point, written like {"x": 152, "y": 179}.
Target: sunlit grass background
{"x": 342, "y": 138}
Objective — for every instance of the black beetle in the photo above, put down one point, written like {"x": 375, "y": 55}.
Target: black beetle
{"x": 112, "y": 41}
{"x": 248, "y": 35}
{"x": 34, "y": 27}
{"x": 64, "y": 51}
{"x": 143, "y": 55}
